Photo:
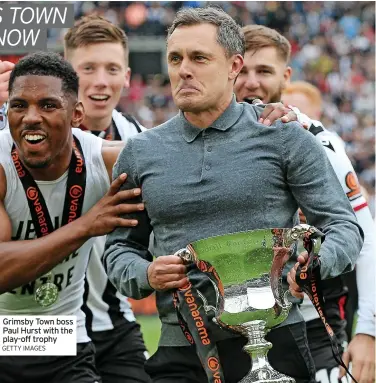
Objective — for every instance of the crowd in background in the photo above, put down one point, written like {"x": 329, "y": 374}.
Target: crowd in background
{"x": 333, "y": 47}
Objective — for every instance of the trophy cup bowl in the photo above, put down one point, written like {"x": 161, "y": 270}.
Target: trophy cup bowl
{"x": 250, "y": 298}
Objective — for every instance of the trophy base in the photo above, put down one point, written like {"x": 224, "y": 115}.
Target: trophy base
{"x": 266, "y": 374}
{"x": 258, "y": 347}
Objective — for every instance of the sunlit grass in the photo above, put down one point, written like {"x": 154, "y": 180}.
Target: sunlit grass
{"x": 151, "y": 330}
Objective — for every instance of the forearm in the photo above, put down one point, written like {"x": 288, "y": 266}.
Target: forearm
{"x": 24, "y": 261}
{"x": 340, "y": 249}
{"x": 126, "y": 256}
{"x": 127, "y": 270}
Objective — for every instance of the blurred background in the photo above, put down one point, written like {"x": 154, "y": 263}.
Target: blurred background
{"x": 333, "y": 47}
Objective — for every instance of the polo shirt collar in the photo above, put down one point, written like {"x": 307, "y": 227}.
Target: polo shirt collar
{"x": 223, "y": 122}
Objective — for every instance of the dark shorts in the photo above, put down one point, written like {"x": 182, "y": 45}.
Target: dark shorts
{"x": 51, "y": 369}
{"x": 351, "y": 304}
{"x": 289, "y": 355}
{"x": 120, "y": 354}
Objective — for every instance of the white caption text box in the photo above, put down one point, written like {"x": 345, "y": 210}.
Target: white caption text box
{"x": 38, "y": 335}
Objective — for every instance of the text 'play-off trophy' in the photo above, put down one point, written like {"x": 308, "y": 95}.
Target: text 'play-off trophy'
{"x": 250, "y": 298}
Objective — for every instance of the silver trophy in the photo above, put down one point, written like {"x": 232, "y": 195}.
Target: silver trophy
{"x": 250, "y": 298}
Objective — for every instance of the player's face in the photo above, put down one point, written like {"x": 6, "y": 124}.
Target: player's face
{"x": 40, "y": 118}
{"x": 264, "y": 76}
{"x": 103, "y": 73}
{"x": 201, "y": 74}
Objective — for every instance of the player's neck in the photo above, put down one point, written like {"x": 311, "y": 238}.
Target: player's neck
{"x": 97, "y": 124}
{"x": 203, "y": 119}
{"x": 58, "y": 166}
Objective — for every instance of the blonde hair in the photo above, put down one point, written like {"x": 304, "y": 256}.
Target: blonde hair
{"x": 259, "y": 36}
{"x": 310, "y": 91}
{"x": 94, "y": 29}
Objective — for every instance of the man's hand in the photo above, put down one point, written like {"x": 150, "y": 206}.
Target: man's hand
{"x": 361, "y": 352}
{"x": 104, "y": 216}
{"x": 5, "y": 69}
{"x": 276, "y": 110}
{"x": 294, "y": 288}
{"x": 167, "y": 272}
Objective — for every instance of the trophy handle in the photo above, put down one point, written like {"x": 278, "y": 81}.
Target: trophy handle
{"x": 188, "y": 258}
{"x": 303, "y": 231}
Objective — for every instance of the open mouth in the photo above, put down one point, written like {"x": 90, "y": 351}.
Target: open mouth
{"x": 34, "y": 139}
{"x": 99, "y": 97}
{"x": 251, "y": 98}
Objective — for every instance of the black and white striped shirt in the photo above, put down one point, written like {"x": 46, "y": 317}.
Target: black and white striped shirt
{"x": 104, "y": 306}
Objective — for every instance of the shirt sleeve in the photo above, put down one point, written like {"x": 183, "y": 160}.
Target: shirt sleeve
{"x": 126, "y": 257}
{"x": 319, "y": 194}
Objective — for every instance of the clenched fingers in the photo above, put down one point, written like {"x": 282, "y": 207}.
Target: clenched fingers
{"x": 169, "y": 259}
{"x": 176, "y": 284}
{"x": 302, "y": 259}
{"x": 168, "y": 281}
{"x": 172, "y": 269}
{"x": 167, "y": 272}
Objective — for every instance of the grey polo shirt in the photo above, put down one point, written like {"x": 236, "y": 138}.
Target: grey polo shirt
{"x": 235, "y": 175}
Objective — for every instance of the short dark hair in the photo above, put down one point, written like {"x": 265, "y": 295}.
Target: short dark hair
{"x": 229, "y": 34}
{"x": 46, "y": 64}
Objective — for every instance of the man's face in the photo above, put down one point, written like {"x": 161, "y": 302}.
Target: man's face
{"x": 40, "y": 117}
{"x": 264, "y": 76}
{"x": 200, "y": 73}
{"x": 103, "y": 73}
{"x": 303, "y": 103}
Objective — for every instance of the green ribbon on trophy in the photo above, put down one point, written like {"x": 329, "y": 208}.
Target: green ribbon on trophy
{"x": 47, "y": 294}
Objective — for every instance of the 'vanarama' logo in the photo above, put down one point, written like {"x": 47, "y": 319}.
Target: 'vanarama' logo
{"x": 193, "y": 309}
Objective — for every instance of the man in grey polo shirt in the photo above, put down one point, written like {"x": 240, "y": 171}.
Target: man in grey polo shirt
{"x": 214, "y": 169}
